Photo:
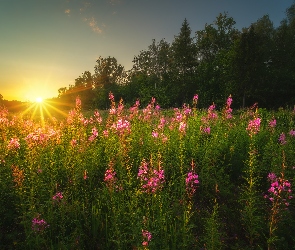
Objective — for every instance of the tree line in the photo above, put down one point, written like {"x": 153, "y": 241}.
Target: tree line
{"x": 255, "y": 64}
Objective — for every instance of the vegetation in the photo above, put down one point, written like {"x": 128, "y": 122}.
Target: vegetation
{"x": 255, "y": 64}
{"x": 148, "y": 179}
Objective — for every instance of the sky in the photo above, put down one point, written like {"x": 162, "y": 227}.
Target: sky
{"x": 46, "y": 44}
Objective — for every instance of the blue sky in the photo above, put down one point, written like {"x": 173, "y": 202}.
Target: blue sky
{"x": 46, "y": 44}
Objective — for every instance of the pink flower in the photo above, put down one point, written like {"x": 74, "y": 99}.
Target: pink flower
{"x": 39, "y": 225}
{"x": 13, "y": 144}
{"x": 191, "y": 182}
{"x": 182, "y": 127}
{"x": 151, "y": 179}
{"x": 147, "y": 236}
{"x": 273, "y": 123}
{"x": 292, "y": 132}
{"x": 155, "y": 134}
{"x": 254, "y": 126}
{"x": 196, "y": 97}
{"x": 58, "y": 197}
{"x": 282, "y": 139}
{"x": 111, "y": 97}
{"x": 229, "y": 101}
{"x": 206, "y": 130}
{"x": 94, "y": 134}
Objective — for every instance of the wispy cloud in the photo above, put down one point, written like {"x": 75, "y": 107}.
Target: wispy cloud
{"x": 68, "y": 11}
{"x": 93, "y": 24}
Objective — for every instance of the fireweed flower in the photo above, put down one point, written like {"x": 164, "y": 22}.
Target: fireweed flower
{"x": 94, "y": 134}
{"x": 292, "y": 133}
{"x": 155, "y": 134}
{"x": 13, "y": 144}
{"x": 253, "y": 126}
{"x": 212, "y": 115}
{"x": 39, "y": 225}
{"x": 121, "y": 126}
{"x": 280, "y": 190}
{"x": 191, "y": 182}
{"x": 195, "y": 99}
{"x": 228, "y": 110}
{"x": 110, "y": 178}
{"x": 151, "y": 179}
{"x": 97, "y": 116}
{"x": 272, "y": 123}
{"x": 57, "y": 197}
{"x": 162, "y": 123}
{"x": 205, "y": 130}
{"x": 111, "y": 97}
{"x": 182, "y": 127}
{"x": 147, "y": 237}
{"x": 229, "y": 101}
{"x": 282, "y": 139}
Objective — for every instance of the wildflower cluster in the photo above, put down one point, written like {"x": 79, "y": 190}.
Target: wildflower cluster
{"x": 39, "y": 225}
{"x": 253, "y": 126}
{"x": 94, "y": 134}
{"x": 195, "y": 100}
{"x": 280, "y": 189}
{"x": 191, "y": 183}
{"x": 57, "y": 197}
{"x": 282, "y": 139}
{"x": 41, "y": 136}
{"x": 151, "y": 179}
{"x": 272, "y": 123}
{"x": 110, "y": 178}
{"x": 122, "y": 126}
{"x": 292, "y": 133}
{"x": 228, "y": 110}
{"x": 152, "y": 109}
{"x": 13, "y": 144}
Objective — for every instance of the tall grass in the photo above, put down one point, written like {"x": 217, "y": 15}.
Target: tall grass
{"x": 142, "y": 179}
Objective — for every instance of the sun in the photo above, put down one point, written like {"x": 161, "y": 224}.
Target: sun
{"x": 39, "y": 99}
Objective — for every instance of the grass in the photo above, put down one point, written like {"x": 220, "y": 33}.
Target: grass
{"x": 145, "y": 179}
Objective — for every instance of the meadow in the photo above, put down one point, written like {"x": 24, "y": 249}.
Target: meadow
{"x": 142, "y": 178}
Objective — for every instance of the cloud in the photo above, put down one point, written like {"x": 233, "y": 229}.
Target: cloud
{"x": 93, "y": 24}
{"x": 68, "y": 11}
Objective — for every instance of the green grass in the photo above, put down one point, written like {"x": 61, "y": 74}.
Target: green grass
{"x": 80, "y": 175}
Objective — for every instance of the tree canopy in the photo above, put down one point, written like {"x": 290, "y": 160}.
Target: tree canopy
{"x": 255, "y": 64}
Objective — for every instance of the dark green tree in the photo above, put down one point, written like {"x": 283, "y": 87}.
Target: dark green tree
{"x": 108, "y": 76}
{"x": 184, "y": 64}
{"x": 214, "y": 52}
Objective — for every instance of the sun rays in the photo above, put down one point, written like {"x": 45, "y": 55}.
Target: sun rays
{"x": 44, "y": 109}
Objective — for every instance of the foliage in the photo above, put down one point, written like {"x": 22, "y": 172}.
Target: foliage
{"x": 146, "y": 178}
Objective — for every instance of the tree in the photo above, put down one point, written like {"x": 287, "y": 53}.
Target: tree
{"x": 108, "y": 75}
{"x": 214, "y": 52}
{"x": 184, "y": 63}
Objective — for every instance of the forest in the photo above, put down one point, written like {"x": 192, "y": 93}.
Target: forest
{"x": 254, "y": 65}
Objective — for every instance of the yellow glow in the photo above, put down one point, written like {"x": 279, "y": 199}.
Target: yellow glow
{"x": 39, "y": 99}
